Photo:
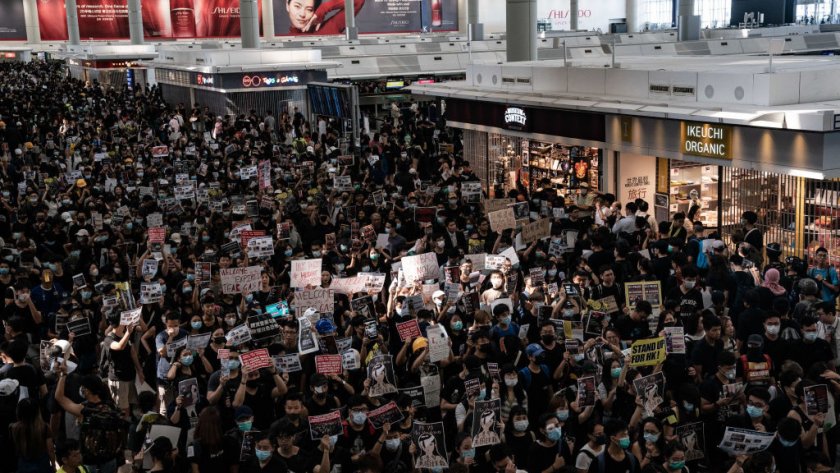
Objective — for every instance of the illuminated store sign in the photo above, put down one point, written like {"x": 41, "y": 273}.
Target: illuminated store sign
{"x": 201, "y": 79}
{"x": 515, "y": 118}
{"x": 265, "y": 80}
{"x": 710, "y": 140}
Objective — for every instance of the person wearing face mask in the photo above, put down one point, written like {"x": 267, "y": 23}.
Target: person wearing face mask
{"x": 756, "y": 366}
{"x": 264, "y": 459}
{"x": 256, "y": 390}
{"x": 359, "y": 435}
{"x": 674, "y": 458}
{"x": 616, "y": 457}
{"x": 496, "y": 290}
{"x": 810, "y": 349}
{"x": 788, "y": 448}
{"x": 504, "y": 326}
{"x": 756, "y": 415}
{"x": 594, "y": 447}
{"x": 124, "y": 364}
{"x": 322, "y": 400}
{"x": 550, "y": 452}
{"x": 706, "y": 352}
{"x": 716, "y": 404}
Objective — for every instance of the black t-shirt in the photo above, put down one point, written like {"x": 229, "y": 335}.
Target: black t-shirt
{"x": 613, "y": 466}
{"x": 541, "y": 457}
{"x": 691, "y": 302}
{"x": 122, "y": 366}
{"x": 358, "y": 441}
{"x": 208, "y": 460}
{"x": 632, "y": 329}
{"x": 706, "y": 356}
{"x": 807, "y": 354}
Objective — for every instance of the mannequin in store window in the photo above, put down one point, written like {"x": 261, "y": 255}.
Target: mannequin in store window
{"x": 753, "y": 236}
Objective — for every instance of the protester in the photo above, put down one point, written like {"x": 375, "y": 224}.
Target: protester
{"x": 251, "y": 293}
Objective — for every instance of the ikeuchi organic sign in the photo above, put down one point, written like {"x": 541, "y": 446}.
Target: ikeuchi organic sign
{"x": 709, "y": 140}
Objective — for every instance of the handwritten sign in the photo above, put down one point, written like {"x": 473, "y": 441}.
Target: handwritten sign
{"x": 239, "y": 280}
{"x": 502, "y": 219}
{"x": 420, "y": 267}
{"x": 536, "y": 230}
{"x": 493, "y": 205}
{"x": 322, "y": 300}
{"x": 306, "y": 272}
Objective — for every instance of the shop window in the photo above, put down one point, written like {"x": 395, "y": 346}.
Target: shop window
{"x": 505, "y": 155}
{"x": 694, "y": 192}
{"x": 822, "y": 218}
{"x": 565, "y": 167}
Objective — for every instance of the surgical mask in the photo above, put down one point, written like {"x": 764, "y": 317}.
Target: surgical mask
{"x": 219, "y": 340}
{"x": 163, "y": 287}
{"x": 689, "y": 284}
{"x": 187, "y": 290}
{"x": 392, "y": 444}
{"x": 230, "y": 321}
{"x": 730, "y": 374}
{"x": 809, "y": 336}
{"x": 287, "y": 253}
{"x": 547, "y": 339}
{"x": 520, "y": 425}
{"x": 615, "y": 372}
{"x": 374, "y": 256}
{"x": 624, "y": 442}
{"x": 562, "y": 415}
{"x": 552, "y": 272}
{"x": 438, "y": 302}
{"x": 191, "y": 277}
{"x": 676, "y": 465}
{"x": 787, "y": 443}
{"x": 505, "y": 320}
{"x": 601, "y": 439}
{"x": 316, "y": 254}
{"x": 482, "y": 394}
{"x": 333, "y": 440}
{"x": 359, "y": 417}
{"x": 578, "y": 357}
{"x": 187, "y": 360}
{"x": 4, "y": 271}
{"x": 195, "y": 325}
{"x": 245, "y": 426}
{"x": 233, "y": 364}
{"x": 94, "y": 272}
{"x": 497, "y": 283}
{"x": 468, "y": 453}
{"x": 365, "y": 269}
{"x": 86, "y": 294}
{"x": 773, "y": 329}
{"x": 451, "y": 201}
{"x": 554, "y": 434}
{"x": 457, "y": 325}
{"x": 205, "y": 238}
{"x": 262, "y": 455}
{"x": 688, "y": 406}
{"x": 568, "y": 313}
{"x": 511, "y": 382}
{"x": 320, "y": 389}
{"x": 652, "y": 438}
{"x": 755, "y": 412}
{"x": 403, "y": 311}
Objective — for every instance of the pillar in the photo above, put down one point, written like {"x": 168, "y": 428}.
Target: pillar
{"x": 574, "y": 14}
{"x": 30, "y": 17}
{"x": 249, "y": 24}
{"x": 268, "y": 20}
{"x": 350, "y": 30}
{"x": 474, "y": 26}
{"x": 135, "y": 21}
{"x": 688, "y": 24}
{"x": 521, "y": 30}
{"x": 72, "y": 22}
{"x": 632, "y": 7}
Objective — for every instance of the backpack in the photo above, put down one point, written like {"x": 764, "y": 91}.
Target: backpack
{"x": 105, "y": 363}
{"x": 103, "y": 433}
{"x": 9, "y": 398}
{"x": 602, "y": 462}
{"x": 702, "y": 259}
{"x": 526, "y": 374}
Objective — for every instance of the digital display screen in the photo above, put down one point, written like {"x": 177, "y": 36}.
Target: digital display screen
{"x": 329, "y": 101}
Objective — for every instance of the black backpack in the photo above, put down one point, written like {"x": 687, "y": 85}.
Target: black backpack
{"x": 105, "y": 363}
{"x": 103, "y": 433}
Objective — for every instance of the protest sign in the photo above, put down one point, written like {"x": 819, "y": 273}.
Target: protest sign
{"x": 648, "y": 352}
{"x": 238, "y": 335}
{"x": 651, "y": 390}
{"x": 431, "y": 389}
{"x": 650, "y": 291}
{"x": 325, "y": 424}
{"x": 199, "y": 342}
{"x": 262, "y": 327}
{"x": 387, "y": 414}
{"x": 256, "y": 359}
{"x": 79, "y": 327}
{"x": 203, "y": 273}
{"x": 150, "y": 267}
{"x": 691, "y": 437}
{"x": 260, "y": 247}
{"x": 380, "y": 372}
{"x": 477, "y": 260}
{"x": 816, "y": 399}
{"x": 494, "y": 262}
{"x": 408, "y": 330}
{"x": 306, "y": 272}
{"x": 188, "y": 390}
{"x": 415, "y": 394}
{"x": 438, "y": 343}
{"x": 586, "y": 391}
{"x": 157, "y": 235}
{"x": 374, "y": 282}
{"x": 429, "y": 440}
{"x": 160, "y": 151}
{"x": 595, "y": 322}
{"x": 173, "y": 347}
{"x": 287, "y": 363}
{"x": 536, "y": 230}
{"x": 232, "y": 249}
{"x": 485, "y": 424}
{"x": 492, "y": 205}
{"x": 745, "y": 442}
{"x": 420, "y": 267}
{"x": 306, "y": 339}
{"x": 351, "y": 359}
{"x": 79, "y": 280}
{"x": 348, "y": 286}
{"x": 130, "y": 317}
{"x": 245, "y": 236}
{"x": 675, "y": 340}
{"x": 328, "y": 364}
{"x": 240, "y": 280}
{"x": 502, "y": 219}
{"x": 323, "y": 300}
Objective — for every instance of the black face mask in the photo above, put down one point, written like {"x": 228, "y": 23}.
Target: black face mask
{"x": 252, "y": 383}
{"x": 220, "y": 340}
{"x": 547, "y": 339}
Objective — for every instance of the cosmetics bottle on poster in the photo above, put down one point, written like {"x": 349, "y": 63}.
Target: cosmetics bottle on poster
{"x": 183, "y": 19}
{"x": 437, "y": 12}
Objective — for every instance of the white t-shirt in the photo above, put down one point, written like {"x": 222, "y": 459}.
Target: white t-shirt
{"x": 583, "y": 460}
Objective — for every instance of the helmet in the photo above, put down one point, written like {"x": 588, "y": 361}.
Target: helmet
{"x": 774, "y": 249}
{"x": 324, "y": 326}
{"x": 808, "y": 287}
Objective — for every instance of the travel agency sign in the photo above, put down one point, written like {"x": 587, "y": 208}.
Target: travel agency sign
{"x": 709, "y": 140}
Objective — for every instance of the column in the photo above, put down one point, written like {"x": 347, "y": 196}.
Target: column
{"x": 688, "y": 24}
{"x": 632, "y": 14}
{"x": 249, "y": 24}
{"x": 135, "y": 21}
{"x": 574, "y": 14}
{"x": 30, "y": 15}
{"x": 350, "y": 30}
{"x": 521, "y": 30}
{"x": 268, "y": 20}
{"x": 72, "y": 22}
{"x": 474, "y": 26}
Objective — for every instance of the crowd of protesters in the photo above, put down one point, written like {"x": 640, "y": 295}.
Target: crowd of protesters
{"x": 116, "y": 203}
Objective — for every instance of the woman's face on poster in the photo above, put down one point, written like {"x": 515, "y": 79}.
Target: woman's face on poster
{"x": 300, "y": 12}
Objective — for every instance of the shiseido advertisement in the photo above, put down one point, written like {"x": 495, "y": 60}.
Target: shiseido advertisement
{"x": 327, "y": 17}
{"x": 99, "y": 19}
{"x": 12, "y": 22}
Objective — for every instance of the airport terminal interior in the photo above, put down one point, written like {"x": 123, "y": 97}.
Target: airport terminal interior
{"x": 419, "y": 236}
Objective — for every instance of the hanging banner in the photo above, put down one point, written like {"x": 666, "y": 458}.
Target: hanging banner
{"x": 296, "y": 17}
{"x": 12, "y": 21}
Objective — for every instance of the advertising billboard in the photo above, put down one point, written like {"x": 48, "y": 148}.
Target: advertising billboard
{"x": 12, "y": 22}
{"x": 101, "y": 19}
{"x": 327, "y": 17}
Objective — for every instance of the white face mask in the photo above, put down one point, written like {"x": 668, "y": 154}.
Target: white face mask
{"x": 689, "y": 284}
{"x": 497, "y": 283}
{"x": 773, "y": 329}
{"x": 511, "y": 382}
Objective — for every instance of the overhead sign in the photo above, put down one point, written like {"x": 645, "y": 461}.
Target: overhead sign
{"x": 516, "y": 119}
{"x": 709, "y": 140}
{"x": 269, "y": 80}
{"x": 12, "y": 22}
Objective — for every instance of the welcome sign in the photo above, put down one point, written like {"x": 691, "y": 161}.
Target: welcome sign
{"x": 709, "y": 140}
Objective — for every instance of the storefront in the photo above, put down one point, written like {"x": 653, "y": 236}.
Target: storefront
{"x": 109, "y": 72}
{"x": 509, "y": 145}
{"x": 714, "y": 172}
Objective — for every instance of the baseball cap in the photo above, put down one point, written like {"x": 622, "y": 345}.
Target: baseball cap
{"x": 437, "y": 294}
{"x": 324, "y": 326}
{"x": 419, "y": 344}
{"x": 534, "y": 349}
{"x": 243, "y": 412}
{"x": 81, "y": 183}
{"x": 755, "y": 340}
{"x": 82, "y": 232}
